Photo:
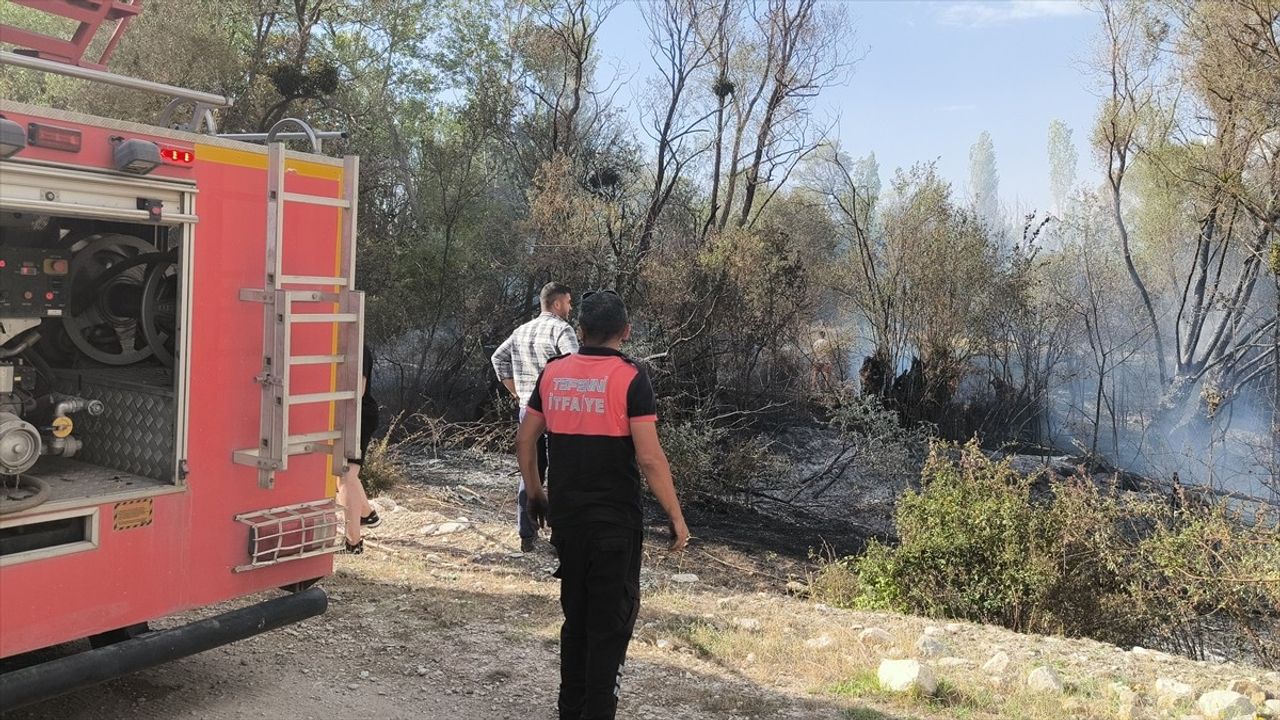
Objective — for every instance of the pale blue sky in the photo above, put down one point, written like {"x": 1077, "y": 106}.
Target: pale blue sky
{"x": 934, "y": 76}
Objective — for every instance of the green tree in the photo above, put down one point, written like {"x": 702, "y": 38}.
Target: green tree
{"x": 984, "y": 180}
{"x": 1062, "y": 164}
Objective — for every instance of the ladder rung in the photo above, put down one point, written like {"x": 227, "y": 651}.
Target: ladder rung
{"x": 324, "y": 317}
{"x": 317, "y": 359}
{"x": 297, "y": 445}
{"x": 311, "y": 280}
{"x": 322, "y": 397}
{"x": 313, "y": 296}
{"x": 315, "y": 200}
{"x": 315, "y": 437}
{"x": 252, "y": 456}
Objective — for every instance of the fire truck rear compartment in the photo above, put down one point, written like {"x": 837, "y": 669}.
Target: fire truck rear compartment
{"x": 89, "y": 343}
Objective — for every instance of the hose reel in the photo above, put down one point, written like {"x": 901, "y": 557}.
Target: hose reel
{"x": 124, "y": 306}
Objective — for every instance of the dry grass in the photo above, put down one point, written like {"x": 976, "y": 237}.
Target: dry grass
{"x": 817, "y": 649}
{"x": 800, "y": 651}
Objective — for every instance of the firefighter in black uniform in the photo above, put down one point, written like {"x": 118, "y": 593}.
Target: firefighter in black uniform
{"x": 599, "y": 414}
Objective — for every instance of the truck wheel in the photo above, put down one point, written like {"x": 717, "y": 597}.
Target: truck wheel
{"x": 111, "y": 637}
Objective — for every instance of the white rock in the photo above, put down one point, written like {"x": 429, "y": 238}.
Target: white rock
{"x": 684, "y": 578}
{"x": 748, "y": 624}
{"x": 875, "y": 636}
{"x": 906, "y": 676}
{"x": 954, "y": 628}
{"x": 820, "y": 642}
{"x": 384, "y": 504}
{"x": 447, "y": 528}
{"x": 1224, "y": 705}
{"x": 1272, "y": 709}
{"x": 1044, "y": 679}
{"x": 1171, "y": 692}
{"x": 997, "y": 664}
{"x": 931, "y": 647}
{"x": 1121, "y": 692}
{"x": 664, "y": 644}
{"x": 1128, "y": 704}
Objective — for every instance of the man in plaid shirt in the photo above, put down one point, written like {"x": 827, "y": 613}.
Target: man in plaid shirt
{"x": 518, "y": 363}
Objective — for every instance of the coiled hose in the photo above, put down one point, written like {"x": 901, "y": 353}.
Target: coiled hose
{"x": 9, "y": 506}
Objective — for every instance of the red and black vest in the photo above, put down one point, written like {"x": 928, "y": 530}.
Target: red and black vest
{"x": 589, "y": 400}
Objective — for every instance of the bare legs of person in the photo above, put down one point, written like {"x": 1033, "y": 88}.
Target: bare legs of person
{"x": 355, "y": 506}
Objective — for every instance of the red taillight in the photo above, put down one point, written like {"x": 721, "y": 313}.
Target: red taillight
{"x": 177, "y": 156}
{"x": 53, "y": 138}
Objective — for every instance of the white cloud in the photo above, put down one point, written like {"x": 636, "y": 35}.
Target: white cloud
{"x": 986, "y": 14}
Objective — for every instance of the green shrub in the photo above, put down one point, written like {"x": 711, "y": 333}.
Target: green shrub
{"x": 976, "y": 542}
{"x": 972, "y": 545}
{"x": 714, "y": 462}
{"x": 836, "y": 582}
{"x": 691, "y": 448}
{"x": 384, "y": 468}
{"x": 883, "y": 448}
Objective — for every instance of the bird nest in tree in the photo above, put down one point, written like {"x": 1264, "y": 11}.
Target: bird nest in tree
{"x": 723, "y": 88}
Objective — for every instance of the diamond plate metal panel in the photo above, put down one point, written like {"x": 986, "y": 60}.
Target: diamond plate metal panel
{"x": 136, "y": 433}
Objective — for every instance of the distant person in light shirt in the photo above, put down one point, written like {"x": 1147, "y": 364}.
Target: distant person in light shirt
{"x": 519, "y": 361}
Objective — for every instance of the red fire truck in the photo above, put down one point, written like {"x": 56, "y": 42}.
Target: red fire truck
{"x": 180, "y": 349}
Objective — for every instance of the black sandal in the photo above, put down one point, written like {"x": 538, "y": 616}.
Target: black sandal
{"x": 371, "y": 520}
{"x": 357, "y": 549}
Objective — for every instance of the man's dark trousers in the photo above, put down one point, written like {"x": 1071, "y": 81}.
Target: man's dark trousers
{"x": 524, "y": 523}
{"x": 600, "y": 594}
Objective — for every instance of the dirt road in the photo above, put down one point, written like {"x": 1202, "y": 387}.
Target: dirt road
{"x": 440, "y": 620}
{"x": 432, "y": 623}
{"x": 388, "y": 651}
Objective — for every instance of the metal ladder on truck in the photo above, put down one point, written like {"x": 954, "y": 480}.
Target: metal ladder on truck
{"x": 278, "y": 296}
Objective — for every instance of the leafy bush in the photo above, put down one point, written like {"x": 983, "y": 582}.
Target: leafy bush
{"x": 979, "y": 543}
{"x": 836, "y": 582}
{"x": 713, "y": 461}
{"x": 875, "y": 436}
{"x": 691, "y": 448}
{"x": 972, "y": 545}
